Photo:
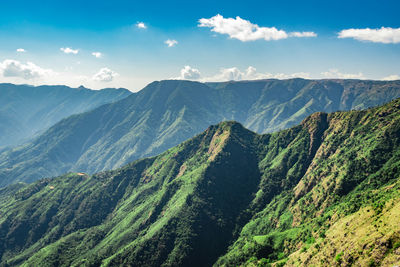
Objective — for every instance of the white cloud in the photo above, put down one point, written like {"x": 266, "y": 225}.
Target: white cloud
{"x": 228, "y": 74}
{"x": 335, "y": 73}
{"x": 302, "y": 34}
{"x": 171, "y": 43}
{"x": 241, "y": 29}
{"x": 97, "y": 54}
{"x": 14, "y": 68}
{"x": 235, "y": 74}
{"x": 21, "y": 50}
{"x": 141, "y": 25}
{"x": 251, "y": 74}
{"x": 68, "y": 50}
{"x": 189, "y": 73}
{"x": 245, "y": 31}
{"x": 105, "y": 75}
{"x": 383, "y": 35}
{"x": 391, "y": 77}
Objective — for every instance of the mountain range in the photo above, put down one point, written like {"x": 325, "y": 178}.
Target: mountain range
{"x": 166, "y": 113}
{"x": 26, "y": 111}
{"x": 324, "y": 193}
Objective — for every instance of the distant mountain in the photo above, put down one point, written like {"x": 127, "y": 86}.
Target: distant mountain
{"x": 323, "y": 193}
{"x": 28, "y": 110}
{"x": 166, "y": 113}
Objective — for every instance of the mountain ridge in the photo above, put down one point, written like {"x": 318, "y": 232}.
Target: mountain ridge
{"x": 29, "y": 110}
{"x": 226, "y": 197}
{"x": 168, "y": 112}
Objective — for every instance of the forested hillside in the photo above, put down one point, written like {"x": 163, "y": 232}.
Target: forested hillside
{"x": 324, "y": 192}
{"x": 167, "y": 113}
{"x": 26, "y": 111}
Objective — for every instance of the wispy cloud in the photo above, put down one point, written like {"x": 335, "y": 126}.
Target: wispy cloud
{"x": 21, "y": 50}
{"x": 14, "y": 68}
{"x": 68, "y": 50}
{"x": 105, "y": 75}
{"x": 383, "y": 35}
{"x": 391, "y": 77}
{"x": 251, "y": 73}
{"x": 335, "y": 73}
{"x": 302, "y": 34}
{"x": 244, "y": 30}
{"x": 97, "y": 54}
{"x": 171, "y": 43}
{"x": 141, "y": 25}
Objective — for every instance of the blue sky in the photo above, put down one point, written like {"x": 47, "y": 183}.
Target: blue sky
{"x": 58, "y": 41}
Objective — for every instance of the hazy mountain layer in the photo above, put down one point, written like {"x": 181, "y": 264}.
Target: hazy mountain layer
{"x": 166, "y": 113}
{"x": 325, "y": 192}
{"x": 27, "y": 110}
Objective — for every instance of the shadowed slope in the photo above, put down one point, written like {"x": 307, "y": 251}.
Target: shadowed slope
{"x": 166, "y": 113}
{"x": 227, "y": 196}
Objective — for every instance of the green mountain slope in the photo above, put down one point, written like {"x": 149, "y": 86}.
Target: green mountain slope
{"x": 324, "y": 192}
{"x": 28, "y": 110}
{"x": 166, "y": 113}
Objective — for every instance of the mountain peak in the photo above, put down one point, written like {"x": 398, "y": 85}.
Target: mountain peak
{"x": 256, "y": 200}
{"x": 315, "y": 121}
{"x": 169, "y": 112}
{"x": 233, "y": 128}
{"x": 230, "y": 125}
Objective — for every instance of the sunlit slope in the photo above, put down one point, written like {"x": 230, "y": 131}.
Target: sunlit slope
{"x": 324, "y": 192}
{"x": 167, "y": 113}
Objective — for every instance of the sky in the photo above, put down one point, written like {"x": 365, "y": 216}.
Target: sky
{"x": 129, "y": 44}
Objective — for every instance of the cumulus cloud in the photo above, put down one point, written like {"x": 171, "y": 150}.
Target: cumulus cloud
{"x": 97, "y": 54}
{"x": 235, "y": 74}
{"x": 391, "y": 77}
{"x": 68, "y": 50}
{"x": 141, "y": 25}
{"x": 21, "y": 50}
{"x": 252, "y": 74}
{"x": 383, "y": 35}
{"x": 171, "y": 43}
{"x": 228, "y": 74}
{"x": 189, "y": 73}
{"x": 244, "y": 30}
{"x": 105, "y": 75}
{"x": 335, "y": 73}
{"x": 14, "y": 68}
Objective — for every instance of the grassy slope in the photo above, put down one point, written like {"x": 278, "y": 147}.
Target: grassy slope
{"x": 26, "y": 111}
{"x": 166, "y": 113}
{"x": 227, "y": 196}
{"x": 356, "y": 166}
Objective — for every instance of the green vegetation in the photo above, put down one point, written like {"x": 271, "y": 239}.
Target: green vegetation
{"x": 338, "y": 258}
{"x": 26, "y": 111}
{"x": 167, "y": 113}
{"x": 321, "y": 193}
